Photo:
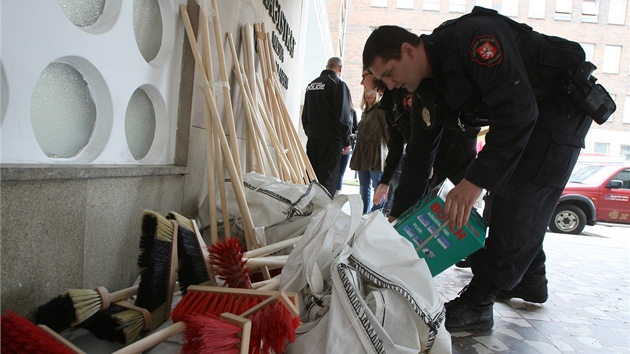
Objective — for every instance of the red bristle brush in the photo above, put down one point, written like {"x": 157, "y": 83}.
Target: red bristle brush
{"x": 214, "y": 301}
{"x": 232, "y": 264}
{"x": 274, "y": 323}
{"x": 226, "y": 258}
{"x": 227, "y": 335}
{"x": 204, "y": 334}
{"x": 19, "y": 335}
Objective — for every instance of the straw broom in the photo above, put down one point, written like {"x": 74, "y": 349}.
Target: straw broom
{"x": 75, "y": 306}
{"x": 121, "y": 323}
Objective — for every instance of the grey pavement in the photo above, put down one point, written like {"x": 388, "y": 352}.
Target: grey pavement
{"x": 588, "y": 310}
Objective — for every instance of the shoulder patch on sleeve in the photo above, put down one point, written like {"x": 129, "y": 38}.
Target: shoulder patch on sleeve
{"x": 485, "y": 50}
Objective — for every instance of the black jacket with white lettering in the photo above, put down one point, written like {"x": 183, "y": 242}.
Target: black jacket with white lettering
{"x": 326, "y": 113}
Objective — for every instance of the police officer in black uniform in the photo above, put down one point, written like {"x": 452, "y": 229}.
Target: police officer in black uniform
{"x": 537, "y": 95}
{"x": 327, "y": 122}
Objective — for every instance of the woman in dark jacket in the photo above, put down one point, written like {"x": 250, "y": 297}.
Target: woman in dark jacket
{"x": 368, "y": 158}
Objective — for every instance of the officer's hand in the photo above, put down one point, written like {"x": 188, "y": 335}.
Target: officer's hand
{"x": 459, "y": 202}
{"x": 346, "y": 150}
{"x": 381, "y": 192}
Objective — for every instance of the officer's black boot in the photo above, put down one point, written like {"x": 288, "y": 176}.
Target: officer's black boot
{"x": 472, "y": 310}
{"x": 532, "y": 289}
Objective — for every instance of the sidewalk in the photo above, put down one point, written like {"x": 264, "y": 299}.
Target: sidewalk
{"x": 588, "y": 310}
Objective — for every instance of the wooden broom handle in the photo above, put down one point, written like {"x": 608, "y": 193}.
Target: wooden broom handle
{"x": 262, "y": 251}
{"x": 108, "y": 298}
{"x": 66, "y": 343}
{"x": 153, "y": 339}
{"x": 237, "y": 184}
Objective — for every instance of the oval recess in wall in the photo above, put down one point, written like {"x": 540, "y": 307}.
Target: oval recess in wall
{"x": 71, "y": 111}
{"x": 140, "y": 123}
{"x": 92, "y": 16}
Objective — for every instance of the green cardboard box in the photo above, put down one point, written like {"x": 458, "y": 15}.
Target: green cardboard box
{"x": 440, "y": 244}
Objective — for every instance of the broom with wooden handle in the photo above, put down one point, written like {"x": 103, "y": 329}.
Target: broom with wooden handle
{"x": 229, "y": 161}
{"x": 213, "y": 332}
{"x": 158, "y": 265}
{"x": 192, "y": 253}
{"x": 19, "y": 335}
{"x": 212, "y": 301}
{"x": 121, "y": 323}
{"x": 75, "y": 306}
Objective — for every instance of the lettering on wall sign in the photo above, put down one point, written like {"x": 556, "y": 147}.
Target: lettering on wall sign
{"x": 282, "y": 25}
{"x": 282, "y": 77}
{"x": 285, "y": 35}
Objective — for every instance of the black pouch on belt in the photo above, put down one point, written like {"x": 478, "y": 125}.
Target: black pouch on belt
{"x": 591, "y": 98}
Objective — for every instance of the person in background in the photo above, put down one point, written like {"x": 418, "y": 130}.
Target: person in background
{"x": 368, "y": 158}
{"x": 485, "y": 67}
{"x": 457, "y": 148}
{"x": 345, "y": 158}
{"x": 327, "y": 123}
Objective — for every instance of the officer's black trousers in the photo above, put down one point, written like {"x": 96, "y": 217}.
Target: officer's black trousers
{"x": 324, "y": 155}
{"x": 513, "y": 252}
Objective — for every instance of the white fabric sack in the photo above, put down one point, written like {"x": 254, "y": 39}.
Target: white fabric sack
{"x": 280, "y": 210}
{"x": 377, "y": 296}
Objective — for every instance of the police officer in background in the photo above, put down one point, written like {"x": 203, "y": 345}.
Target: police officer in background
{"x": 538, "y": 95}
{"x": 456, "y": 151}
{"x": 327, "y": 123}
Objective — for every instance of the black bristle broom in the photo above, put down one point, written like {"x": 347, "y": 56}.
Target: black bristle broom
{"x": 120, "y": 323}
{"x": 194, "y": 267}
{"x": 75, "y": 306}
{"x": 158, "y": 266}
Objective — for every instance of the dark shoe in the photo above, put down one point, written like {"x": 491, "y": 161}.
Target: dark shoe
{"x": 472, "y": 310}
{"x": 538, "y": 294}
{"x": 464, "y": 263}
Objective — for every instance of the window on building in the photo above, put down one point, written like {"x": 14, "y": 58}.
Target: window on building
{"x": 509, "y": 8}
{"x": 404, "y": 4}
{"x": 617, "y": 12}
{"x": 601, "y": 148}
{"x": 378, "y": 3}
{"x": 457, "y": 6}
{"x": 625, "y": 151}
{"x": 590, "y": 11}
{"x": 626, "y": 111}
{"x": 612, "y": 58}
{"x": 589, "y": 50}
{"x": 484, "y": 3}
{"x": 431, "y": 5}
{"x": 537, "y": 8}
{"x": 563, "y": 10}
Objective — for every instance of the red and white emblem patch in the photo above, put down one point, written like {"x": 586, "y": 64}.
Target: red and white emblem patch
{"x": 407, "y": 99}
{"x": 485, "y": 50}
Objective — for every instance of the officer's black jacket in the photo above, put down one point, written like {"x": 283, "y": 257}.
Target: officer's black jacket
{"x": 326, "y": 113}
{"x": 494, "y": 86}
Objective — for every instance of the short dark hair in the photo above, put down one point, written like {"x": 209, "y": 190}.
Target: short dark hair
{"x": 385, "y": 42}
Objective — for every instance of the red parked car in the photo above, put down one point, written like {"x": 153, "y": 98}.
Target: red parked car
{"x": 598, "y": 193}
